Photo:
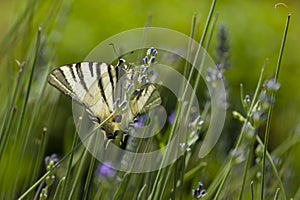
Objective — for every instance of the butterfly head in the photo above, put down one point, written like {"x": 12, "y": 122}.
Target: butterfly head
{"x": 122, "y": 64}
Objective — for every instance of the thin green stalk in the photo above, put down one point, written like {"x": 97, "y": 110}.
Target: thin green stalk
{"x": 25, "y": 136}
{"x": 156, "y": 193}
{"x": 258, "y": 86}
{"x": 129, "y": 176}
{"x": 216, "y": 182}
{"x": 255, "y": 96}
{"x": 90, "y": 172}
{"x": 252, "y": 190}
{"x": 5, "y": 164}
{"x": 268, "y": 156}
{"x": 163, "y": 189}
{"x": 270, "y": 111}
{"x": 124, "y": 182}
{"x": 35, "y": 112}
{"x": 141, "y": 192}
{"x": 190, "y": 174}
{"x": 8, "y": 117}
{"x": 79, "y": 173}
{"x": 178, "y": 170}
{"x": 211, "y": 11}
{"x": 276, "y": 193}
{"x": 36, "y": 196}
{"x": 227, "y": 172}
{"x": 192, "y": 35}
{"x": 69, "y": 167}
{"x": 35, "y": 185}
{"x": 249, "y": 156}
{"x": 210, "y": 34}
{"x": 58, "y": 190}
{"x": 198, "y": 78}
{"x": 39, "y": 155}
{"x": 28, "y": 90}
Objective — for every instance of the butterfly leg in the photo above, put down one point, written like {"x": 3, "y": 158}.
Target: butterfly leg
{"x": 107, "y": 142}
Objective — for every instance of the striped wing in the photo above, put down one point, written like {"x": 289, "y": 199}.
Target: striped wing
{"x": 88, "y": 83}
{"x": 144, "y": 99}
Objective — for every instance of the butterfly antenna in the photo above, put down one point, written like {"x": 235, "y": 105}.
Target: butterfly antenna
{"x": 119, "y": 55}
{"x": 115, "y": 51}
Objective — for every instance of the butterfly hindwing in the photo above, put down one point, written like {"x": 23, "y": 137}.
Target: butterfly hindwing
{"x": 144, "y": 99}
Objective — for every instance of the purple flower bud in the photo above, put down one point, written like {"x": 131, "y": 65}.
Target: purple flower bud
{"x": 272, "y": 85}
{"x": 53, "y": 159}
{"x": 105, "y": 170}
{"x": 145, "y": 60}
{"x": 152, "y": 59}
{"x": 141, "y": 121}
{"x": 171, "y": 117}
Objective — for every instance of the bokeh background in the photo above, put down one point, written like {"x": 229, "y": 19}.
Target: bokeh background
{"x": 254, "y": 28}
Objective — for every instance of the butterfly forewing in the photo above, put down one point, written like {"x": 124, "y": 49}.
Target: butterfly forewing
{"x": 88, "y": 83}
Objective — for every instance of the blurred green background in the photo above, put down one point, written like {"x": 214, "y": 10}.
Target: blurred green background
{"x": 255, "y": 29}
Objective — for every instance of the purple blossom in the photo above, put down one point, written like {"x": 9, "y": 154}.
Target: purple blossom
{"x": 171, "y": 117}
{"x": 105, "y": 170}
{"x": 53, "y": 159}
{"x": 272, "y": 85}
{"x": 199, "y": 192}
{"x": 141, "y": 121}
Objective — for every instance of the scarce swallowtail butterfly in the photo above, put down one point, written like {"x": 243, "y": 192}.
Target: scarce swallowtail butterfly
{"x": 94, "y": 86}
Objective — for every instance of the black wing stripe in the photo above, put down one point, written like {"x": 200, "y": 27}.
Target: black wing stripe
{"x": 70, "y": 67}
{"x": 91, "y": 68}
{"x": 100, "y": 83}
{"x": 80, "y": 75}
{"x": 111, "y": 80}
{"x": 59, "y": 72}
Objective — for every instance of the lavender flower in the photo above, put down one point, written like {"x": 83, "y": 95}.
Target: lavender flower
{"x": 213, "y": 76}
{"x": 141, "y": 121}
{"x": 150, "y": 56}
{"x": 105, "y": 170}
{"x": 152, "y": 52}
{"x": 272, "y": 85}
{"x": 199, "y": 192}
{"x": 223, "y": 49}
{"x": 171, "y": 118}
{"x": 50, "y": 161}
{"x": 196, "y": 125}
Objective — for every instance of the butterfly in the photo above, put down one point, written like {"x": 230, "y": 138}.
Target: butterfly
{"x": 94, "y": 86}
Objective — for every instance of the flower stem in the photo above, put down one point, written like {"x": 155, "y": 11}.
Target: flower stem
{"x": 270, "y": 111}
